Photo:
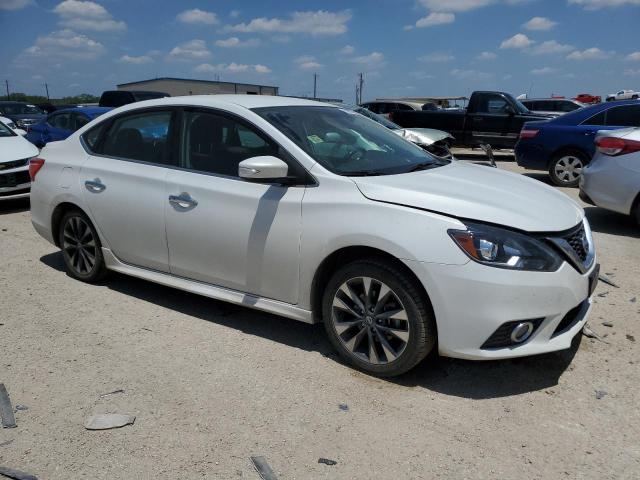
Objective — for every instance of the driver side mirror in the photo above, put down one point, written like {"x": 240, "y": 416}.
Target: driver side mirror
{"x": 264, "y": 169}
{"x": 509, "y": 110}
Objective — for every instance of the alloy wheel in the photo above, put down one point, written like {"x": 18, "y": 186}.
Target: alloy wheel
{"x": 370, "y": 320}
{"x": 568, "y": 168}
{"x": 79, "y": 245}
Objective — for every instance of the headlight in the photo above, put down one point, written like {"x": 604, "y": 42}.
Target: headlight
{"x": 503, "y": 248}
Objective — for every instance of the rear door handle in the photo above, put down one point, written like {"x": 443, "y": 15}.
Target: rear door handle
{"x": 184, "y": 201}
{"x": 95, "y": 185}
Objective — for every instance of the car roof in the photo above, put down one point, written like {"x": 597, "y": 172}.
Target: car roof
{"x": 90, "y": 111}
{"x": 246, "y": 101}
{"x": 577, "y": 116}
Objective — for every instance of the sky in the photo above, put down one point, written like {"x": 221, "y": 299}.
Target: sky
{"x": 407, "y": 48}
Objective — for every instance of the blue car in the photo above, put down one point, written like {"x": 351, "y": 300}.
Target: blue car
{"x": 62, "y": 123}
{"x": 564, "y": 145}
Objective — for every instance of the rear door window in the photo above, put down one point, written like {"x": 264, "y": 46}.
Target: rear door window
{"x": 61, "y": 120}
{"x": 597, "y": 120}
{"x": 140, "y": 136}
{"x": 624, "y": 116}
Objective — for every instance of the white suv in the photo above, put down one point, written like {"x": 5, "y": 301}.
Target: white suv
{"x": 319, "y": 214}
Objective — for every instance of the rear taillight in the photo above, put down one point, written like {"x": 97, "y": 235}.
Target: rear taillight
{"x": 35, "y": 164}
{"x": 614, "y": 146}
{"x": 528, "y": 133}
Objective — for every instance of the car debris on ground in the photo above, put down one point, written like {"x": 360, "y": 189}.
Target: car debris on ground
{"x": 6, "y": 410}
{"x": 108, "y": 421}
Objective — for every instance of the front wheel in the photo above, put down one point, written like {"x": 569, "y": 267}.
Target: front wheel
{"x": 81, "y": 248}
{"x": 566, "y": 168}
{"x": 377, "y": 319}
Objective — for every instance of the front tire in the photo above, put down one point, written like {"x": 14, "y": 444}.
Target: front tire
{"x": 377, "y": 319}
{"x": 81, "y": 248}
{"x": 566, "y": 168}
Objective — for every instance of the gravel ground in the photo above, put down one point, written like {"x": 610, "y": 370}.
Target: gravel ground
{"x": 212, "y": 384}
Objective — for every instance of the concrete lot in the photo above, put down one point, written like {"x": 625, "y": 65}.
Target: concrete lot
{"x": 212, "y": 384}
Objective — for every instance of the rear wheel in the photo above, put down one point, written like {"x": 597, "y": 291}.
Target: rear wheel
{"x": 81, "y": 248}
{"x": 566, "y": 168}
{"x": 377, "y": 319}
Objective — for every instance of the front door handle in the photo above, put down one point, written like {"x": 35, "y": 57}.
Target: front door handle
{"x": 95, "y": 185}
{"x": 184, "y": 201}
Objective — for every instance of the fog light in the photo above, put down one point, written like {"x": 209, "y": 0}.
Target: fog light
{"x": 521, "y": 332}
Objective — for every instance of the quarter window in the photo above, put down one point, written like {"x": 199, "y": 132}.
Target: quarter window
{"x": 625, "y": 116}
{"x": 596, "y": 120}
{"x": 140, "y": 137}
{"x": 214, "y": 143}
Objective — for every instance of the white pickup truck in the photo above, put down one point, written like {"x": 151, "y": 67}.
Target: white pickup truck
{"x": 624, "y": 95}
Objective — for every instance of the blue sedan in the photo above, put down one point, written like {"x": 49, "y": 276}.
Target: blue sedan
{"x": 62, "y": 123}
{"x": 564, "y": 145}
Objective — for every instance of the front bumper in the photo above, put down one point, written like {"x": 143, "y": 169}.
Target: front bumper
{"x": 472, "y": 301}
{"x": 14, "y": 183}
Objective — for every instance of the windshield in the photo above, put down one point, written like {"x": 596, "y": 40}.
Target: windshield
{"x": 20, "y": 109}
{"x": 5, "y": 131}
{"x": 376, "y": 118}
{"x": 348, "y": 143}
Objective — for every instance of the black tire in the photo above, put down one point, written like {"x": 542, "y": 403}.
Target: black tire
{"x": 422, "y": 332}
{"x": 635, "y": 97}
{"x": 91, "y": 248}
{"x": 570, "y": 178}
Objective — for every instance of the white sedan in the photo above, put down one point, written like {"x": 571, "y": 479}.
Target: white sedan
{"x": 310, "y": 211}
{"x": 11, "y": 124}
{"x": 15, "y": 153}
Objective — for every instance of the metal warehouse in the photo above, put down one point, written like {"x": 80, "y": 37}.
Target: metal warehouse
{"x": 185, "y": 86}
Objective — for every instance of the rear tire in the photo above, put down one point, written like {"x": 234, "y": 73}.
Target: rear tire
{"x": 377, "y": 318}
{"x": 81, "y": 247}
{"x": 565, "y": 168}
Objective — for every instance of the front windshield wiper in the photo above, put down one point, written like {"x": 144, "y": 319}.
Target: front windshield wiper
{"x": 363, "y": 173}
{"x": 424, "y": 166}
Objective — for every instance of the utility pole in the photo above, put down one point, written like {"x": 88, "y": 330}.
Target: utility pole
{"x": 315, "y": 84}
{"x": 46, "y": 87}
{"x": 7, "y": 83}
{"x": 360, "y": 85}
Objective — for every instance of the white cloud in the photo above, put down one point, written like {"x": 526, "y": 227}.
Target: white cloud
{"x": 455, "y": 5}
{"x": 436, "y": 57}
{"x": 87, "y": 15}
{"x": 197, "y": 16}
{"x": 632, "y": 73}
{"x": 14, "y": 4}
{"x": 550, "y": 47}
{"x": 372, "y": 61}
{"x": 234, "y": 13}
{"x": 487, "y": 56}
{"x": 347, "y": 50}
{"x": 193, "y": 50}
{"x": 235, "y": 42}
{"x": 307, "y": 62}
{"x": 518, "y": 41}
{"x": 543, "y": 71}
{"x": 540, "y": 23}
{"x": 231, "y": 68}
{"x": 634, "y": 57}
{"x": 319, "y": 22}
{"x": 261, "y": 68}
{"x": 589, "y": 54}
{"x": 598, "y": 4}
{"x": 65, "y": 44}
{"x": 435, "y": 18}
{"x": 142, "y": 59}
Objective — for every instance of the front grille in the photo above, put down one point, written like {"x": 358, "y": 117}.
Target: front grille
{"x": 569, "y": 320}
{"x": 577, "y": 240}
{"x": 502, "y": 336}
{"x": 14, "y": 164}
{"x": 14, "y": 179}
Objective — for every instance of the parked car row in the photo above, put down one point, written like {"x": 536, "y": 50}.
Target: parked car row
{"x": 563, "y": 146}
{"x": 328, "y": 217}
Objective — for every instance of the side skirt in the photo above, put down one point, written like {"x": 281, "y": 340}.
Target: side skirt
{"x": 219, "y": 293}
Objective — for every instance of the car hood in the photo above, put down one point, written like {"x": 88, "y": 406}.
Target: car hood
{"x": 423, "y": 136}
{"x": 16, "y": 148}
{"x": 478, "y": 193}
